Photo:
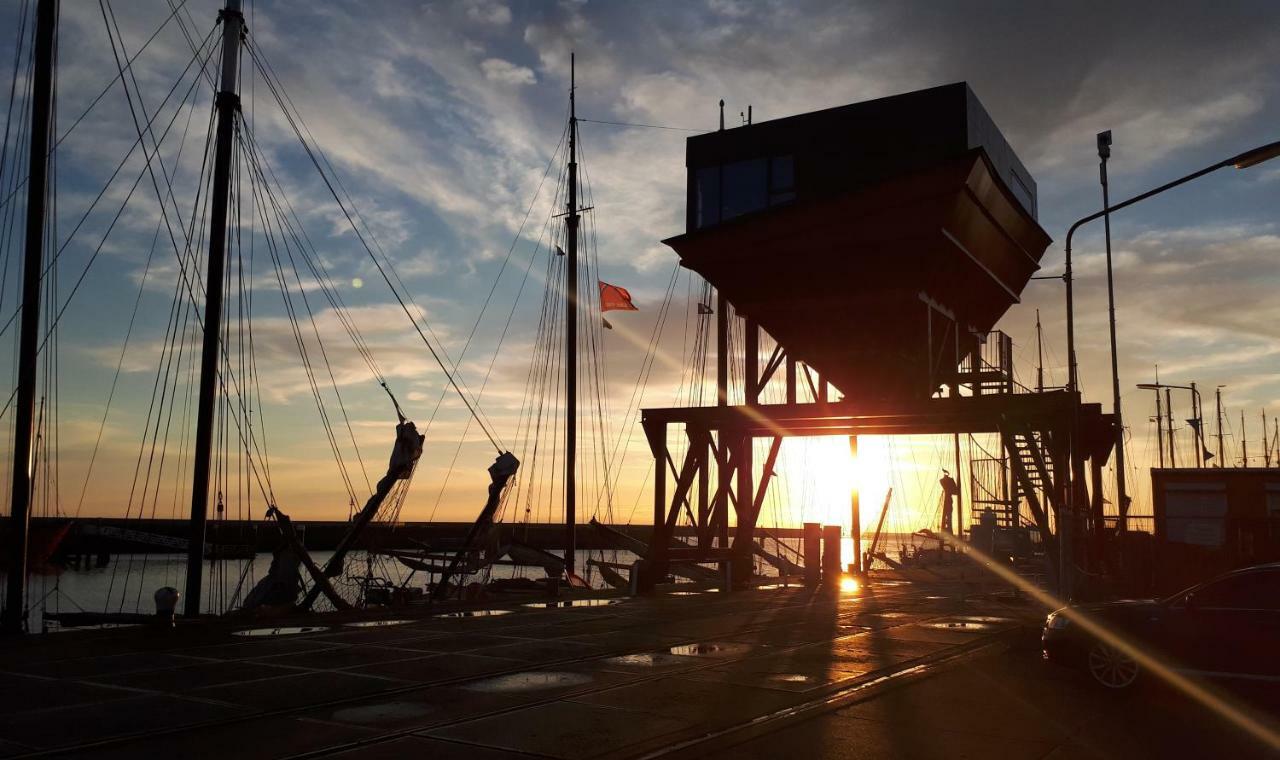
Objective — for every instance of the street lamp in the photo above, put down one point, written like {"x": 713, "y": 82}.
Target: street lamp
{"x": 1243, "y": 160}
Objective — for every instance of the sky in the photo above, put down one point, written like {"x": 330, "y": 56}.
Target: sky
{"x": 441, "y": 120}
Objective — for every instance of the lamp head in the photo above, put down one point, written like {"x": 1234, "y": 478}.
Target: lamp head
{"x": 1256, "y": 156}
{"x": 1104, "y": 144}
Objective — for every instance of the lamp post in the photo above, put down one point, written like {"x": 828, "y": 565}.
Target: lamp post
{"x": 1122, "y": 496}
{"x": 1243, "y": 160}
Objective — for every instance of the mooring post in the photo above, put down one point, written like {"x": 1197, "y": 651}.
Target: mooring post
{"x": 855, "y": 506}
{"x": 831, "y": 541}
{"x": 812, "y": 548}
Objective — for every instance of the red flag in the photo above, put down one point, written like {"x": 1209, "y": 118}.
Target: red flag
{"x": 614, "y": 298}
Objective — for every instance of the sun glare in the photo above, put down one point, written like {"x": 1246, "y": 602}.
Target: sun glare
{"x": 821, "y": 473}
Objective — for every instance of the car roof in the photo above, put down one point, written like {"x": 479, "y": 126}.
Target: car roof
{"x": 1263, "y": 566}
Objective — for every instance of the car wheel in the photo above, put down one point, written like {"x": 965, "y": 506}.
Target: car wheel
{"x": 1111, "y": 667}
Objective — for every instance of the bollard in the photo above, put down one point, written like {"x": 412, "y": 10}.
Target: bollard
{"x": 637, "y": 569}
{"x": 812, "y": 548}
{"x": 166, "y": 602}
{"x": 831, "y": 555}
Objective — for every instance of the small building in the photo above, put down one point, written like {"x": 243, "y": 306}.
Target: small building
{"x": 879, "y": 241}
{"x": 1211, "y": 520}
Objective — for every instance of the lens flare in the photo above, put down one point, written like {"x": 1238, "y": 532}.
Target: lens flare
{"x": 1254, "y": 725}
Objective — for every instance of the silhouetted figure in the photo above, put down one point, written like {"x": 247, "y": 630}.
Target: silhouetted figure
{"x": 950, "y": 490}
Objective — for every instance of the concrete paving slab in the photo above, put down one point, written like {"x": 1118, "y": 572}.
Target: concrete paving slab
{"x": 339, "y": 659}
{"x": 192, "y": 677}
{"x": 97, "y": 721}
{"x": 421, "y": 708}
{"x": 421, "y": 746}
{"x": 840, "y": 738}
{"x": 439, "y": 667}
{"x": 567, "y": 730}
{"x": 703, "y": 703}
{"x": 298, "y": 690}
{"x": 23, "y": 693}
{"x": 86, "y": 667}
{"x": 244, "y": 650}
{"x": 463, "y": 642}
{"x": 542, "y": 651}
{"x": 247, "y": 740}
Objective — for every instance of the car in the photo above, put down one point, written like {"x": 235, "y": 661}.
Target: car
{"x": 1226, "y": 627}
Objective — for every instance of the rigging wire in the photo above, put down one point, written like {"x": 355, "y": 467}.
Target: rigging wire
{"x": 382, "y": 270}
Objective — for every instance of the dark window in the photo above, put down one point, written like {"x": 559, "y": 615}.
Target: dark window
{"x": 741, "y": 187}
{"x": 782, "y": 180}
{"x": 1259, "y": 590}
{"x": 708, "y": 196}
{"x": 745, "y": 187}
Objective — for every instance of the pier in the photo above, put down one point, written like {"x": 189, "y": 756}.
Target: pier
{"x": 891, "y": 670}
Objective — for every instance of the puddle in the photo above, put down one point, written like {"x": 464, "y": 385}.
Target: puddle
{"x": 958, "y": 625}
{"x": 473, "y": 614}
{"x": 374, "y": 623}
{"x": 772, "y": 586}
{"x": 646, "y": 660}
{"x": 709, "y": 649}
{"x": 572, "y": 603}
{"x": 290, "y": 630}
{"x": 793, "y": 678}
{"x": 384, "y": 712}
{"x": 984, "y": 619}
{"x": 531, "y": 681}
{"x": 683, "y": 593}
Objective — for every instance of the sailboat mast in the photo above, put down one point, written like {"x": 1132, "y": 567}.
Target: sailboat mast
{"x": 1266, "y": 442}
{"x": 1168, "y": 410}
{"x": 571, "y": 338}
{"x": 1159, "y": 429}
{"x": 1218, "y": 412}
{"x": 227, "y": 103}
{"x": 1244, "y": 443}
{"x": 11, "y": 620}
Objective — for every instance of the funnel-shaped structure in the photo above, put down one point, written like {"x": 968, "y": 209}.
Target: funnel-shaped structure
{"x": 873, "y": 240}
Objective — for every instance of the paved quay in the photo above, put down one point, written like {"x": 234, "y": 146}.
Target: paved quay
{"x": 675, "y": 675}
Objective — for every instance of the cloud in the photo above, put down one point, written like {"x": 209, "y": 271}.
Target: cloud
{"x": 488, "y": 12}
{"x": 506, "y": 72}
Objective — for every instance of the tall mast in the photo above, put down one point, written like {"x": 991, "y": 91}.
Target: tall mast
{"x": 571, "y": 337}
{"x": 1266, "y": 442}
{"x": 1168, "y": 410}
{"x": 1197, "y": 423}
{"x": 1244, "y": 443}
{"x": 1159, "y": 429}
{"x": 227, "y": 103}
{"x": 11, "y": 620}
{"x": 1039, "y": 355}
{"x": 1218, "y": 400}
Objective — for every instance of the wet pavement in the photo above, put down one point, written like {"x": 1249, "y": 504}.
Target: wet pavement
{"x": 682, "y": 674}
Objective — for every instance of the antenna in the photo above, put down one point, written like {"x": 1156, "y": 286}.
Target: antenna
{"x": 721, "y": 114}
